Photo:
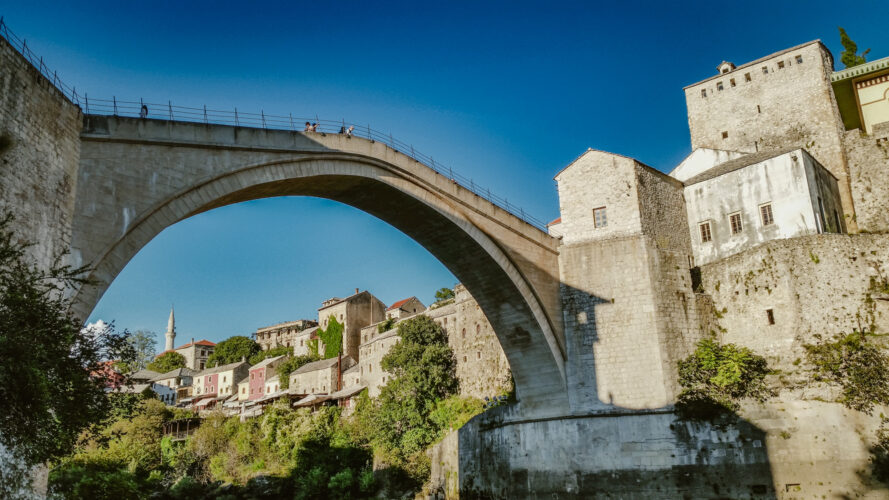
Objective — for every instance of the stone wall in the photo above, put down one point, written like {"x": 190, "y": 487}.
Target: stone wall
{"x": 814, "y": 285}
{"x": 773, "y": 451}
{"x": 39, "y": 151}
{"x": 789, "y": 106}
{"x": 369, "y": 365}
{"x": 868, "y": 157}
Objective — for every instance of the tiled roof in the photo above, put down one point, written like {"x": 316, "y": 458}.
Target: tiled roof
{"x": 738, "y": 163}
{"x": 203, "y": 342}
{"x": 266, "y": 362}
{"x": 178, "y": 372}
{"x": 223, "y": 368}
{"x": 144, "y": 375}
{"x": 325, "y": 363}
{"x": 400, "y": 303}
{"x": 558, "y": 220}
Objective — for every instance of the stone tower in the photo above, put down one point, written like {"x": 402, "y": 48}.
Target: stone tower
{"x": 171, "y": 331}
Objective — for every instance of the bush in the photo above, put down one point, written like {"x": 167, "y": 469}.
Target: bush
{"x": 858, "y": 366}
{"x": 880, "y": 453}
{"x": 716, "y": 377}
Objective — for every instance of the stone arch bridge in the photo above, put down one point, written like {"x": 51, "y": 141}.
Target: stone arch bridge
{"x": 139, "y": 176}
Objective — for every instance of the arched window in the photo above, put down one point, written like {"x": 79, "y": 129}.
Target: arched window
{"x": 478, "y": 329}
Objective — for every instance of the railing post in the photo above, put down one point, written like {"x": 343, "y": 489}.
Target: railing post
{"x": 170, "y": 107}
{"x": 236, "y": 118}
{"x": 412, "y": 153}
{"x": 262, "y": 113}
{"x": 115, "y": 104}
{"x": 205, "y": 115}
{"x": 291, "y": 121}
{"x": 86, "y": 98}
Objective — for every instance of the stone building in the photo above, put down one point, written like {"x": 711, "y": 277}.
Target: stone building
{"x": 320, "y": 377}
{"x": 262, "y": 372}
{"x": 180, "y": 380}
{"x": 196, "y": 353}
{"x": 282, "y": 334}
{"x": 759, "y": 197}
{"x": 301, "y": 341}
{"x": 354, "y": 312}
{"x": 220, "y": 380}
{"x": 404, "y": 308}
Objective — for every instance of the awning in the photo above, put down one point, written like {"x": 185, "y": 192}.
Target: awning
{"x": 204, "y": 402}
{"x": 347, "y": 393}
{"x": 311, "y": 399}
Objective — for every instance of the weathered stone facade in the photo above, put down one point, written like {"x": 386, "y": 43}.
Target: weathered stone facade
{"x": 354, "y": 312}
{"x": 868, "y": 157}
{"x": 320, "y": 377}
{"x": 282, "y": 334}
{"x": 39, "y": 156}
{"x": 788, "y": 101}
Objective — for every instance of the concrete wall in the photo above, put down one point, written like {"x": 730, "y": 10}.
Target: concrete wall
{"x": 773, "y": 451}
{"x": 869, "y": 170}
{"x": 790, "y": 182}
{"x": 39, "y": 153}
{"x": 814, "y": 285}
{"x": 793, "y": 106}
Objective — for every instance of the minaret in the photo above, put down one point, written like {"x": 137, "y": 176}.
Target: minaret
{"x": 171, "y": 331}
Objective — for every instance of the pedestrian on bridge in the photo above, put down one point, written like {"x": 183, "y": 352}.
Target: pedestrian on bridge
{"x": 143, "y": 113}
{"x": 308, "y": 127}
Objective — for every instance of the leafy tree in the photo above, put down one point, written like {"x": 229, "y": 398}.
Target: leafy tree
{"x": 231, "y": 350}
{"x": 443, "y": 294}
{"x": 51, "y": 377}
{"x": 423, "y": 367}
{"x": 387, "y": 325}
{"x": 858, "y": 366}
{"x": 850, "y": 56}
{"x": 270, "y": 353}
{"x": 167, "y": 362}
{"x": 715, "y": 377}
{"x": 143, "y": 342}
{"x": 292, "y": 364}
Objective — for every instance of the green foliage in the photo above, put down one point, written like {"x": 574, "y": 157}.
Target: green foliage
{"x": 232, "y": 350}
{"x": 332, "y": 338}
{"x": 387, "y": 325}
{"x": 880, "y": 453}
{"x": 715, "y": 377}
{"x": 443, "y": 294}
{"x": 850, "y": 56}
{"x": 167, "y": 362}
{"x": 142, "y": 342}
{"x": 858, "y": 366}
{"x": 271, "y": 353}
{"x": 453, "y": 412}
{"x": 292, "y": 364}
{"x": 51, "y": 377}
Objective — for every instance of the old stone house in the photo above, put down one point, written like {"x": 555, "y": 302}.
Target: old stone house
{"x": 260, "y": 374}
{"x": 281, "y": 334}
{"x": 320, "y": 377}
{"x": 404, "y": 308}
{"x": 353, "y": 312}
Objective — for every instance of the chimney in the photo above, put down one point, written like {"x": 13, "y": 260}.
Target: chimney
{"x": 356, "y": 291}
{"x": 339, "y": 371}
{"x": 192, "y": 341}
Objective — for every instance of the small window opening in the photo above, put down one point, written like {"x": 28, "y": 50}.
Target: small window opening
{"x": 703, "y": 92}
{"x": 780, "y": 64}
{"x": 725, "y": 135}
{"x": 765, "y": 70}
{"x": 706, "y": 235}
{"x": 719, "y": 86}
{"x": 747, "y": 77}
{"x": 758, "y": 109}
{"x": 600, "y": 218}
{"x": 770, "y": 315}
{"x": 732, "y": 82}
{"x": 735, "y": 220}
{"x": 765, "y": 212}
{"x": 478, "y": 355}
{"x": 799, "y": 59}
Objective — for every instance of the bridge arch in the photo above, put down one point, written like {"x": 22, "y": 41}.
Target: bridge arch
{"x": 138, "y": 177}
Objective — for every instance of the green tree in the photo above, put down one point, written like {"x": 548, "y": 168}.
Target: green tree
{"x": 423, "y": 368}
{"x": 715, "y": 377}
{"x": 332, "y": 337}
{"x": 166, "y": 362}
{"x": 858, "y": 366}
{"x": 850, "y": 56}
{"x": 270, "y": 353}
{"x": 231, "y": 350}
{"x": 443, "y": 294}
{"x": 52, "y": 378}
{"x": 143, "y": 342}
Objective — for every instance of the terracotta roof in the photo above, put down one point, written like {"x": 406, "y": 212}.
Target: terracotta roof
{"x": 400, "y": 303}
{"x": 203, "y": 342}
{"x": 558, "y": 220}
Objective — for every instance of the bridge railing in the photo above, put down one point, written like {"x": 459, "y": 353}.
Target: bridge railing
{"x": 238, "y": 118}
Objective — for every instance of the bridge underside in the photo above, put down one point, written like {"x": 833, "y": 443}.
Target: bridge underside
{"x": 138, "y": 177}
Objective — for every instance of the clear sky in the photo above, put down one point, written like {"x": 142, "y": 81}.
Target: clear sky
{"x": 504, "y": 92}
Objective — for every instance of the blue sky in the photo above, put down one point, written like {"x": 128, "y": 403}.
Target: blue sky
{"x": 504, "y": 92}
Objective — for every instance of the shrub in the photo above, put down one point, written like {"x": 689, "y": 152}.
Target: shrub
{"x": 858, "y": 366}
{"x": 716, "y": 377}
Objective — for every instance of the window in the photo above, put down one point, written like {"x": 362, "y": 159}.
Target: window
{"x": 719, "y": 86}
{"x": 765, "y": 211}
{"x": 464, "y": 359}
{"x": 478, "y": 329}
{"x": 463, "y": 334}
{"x": 780, "y": 64}
{"x": 732, "y": 82}
{"x": 703, "y": 92}
{"x": 770, "y": 316}
{"x": 799, "y": 59}
{"x": 758, "y": 109}
{"x": 735, "y": 220}
{"x": 765, "y": 70}
{"x": 600, "y": 218}
{"x": 252, "y": 376}
{"x": 478, "y": 355}
{"x": 706, "y": 235}
{"x": 747, "y": 77}
{"x": 725, "y": 135}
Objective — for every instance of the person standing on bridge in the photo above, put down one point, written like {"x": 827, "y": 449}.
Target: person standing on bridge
{"x": 349, "y": 130}
{"x": 315, "y": 127}
{"x": 143, "y": 113}
{"x": 308, "y": 127}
